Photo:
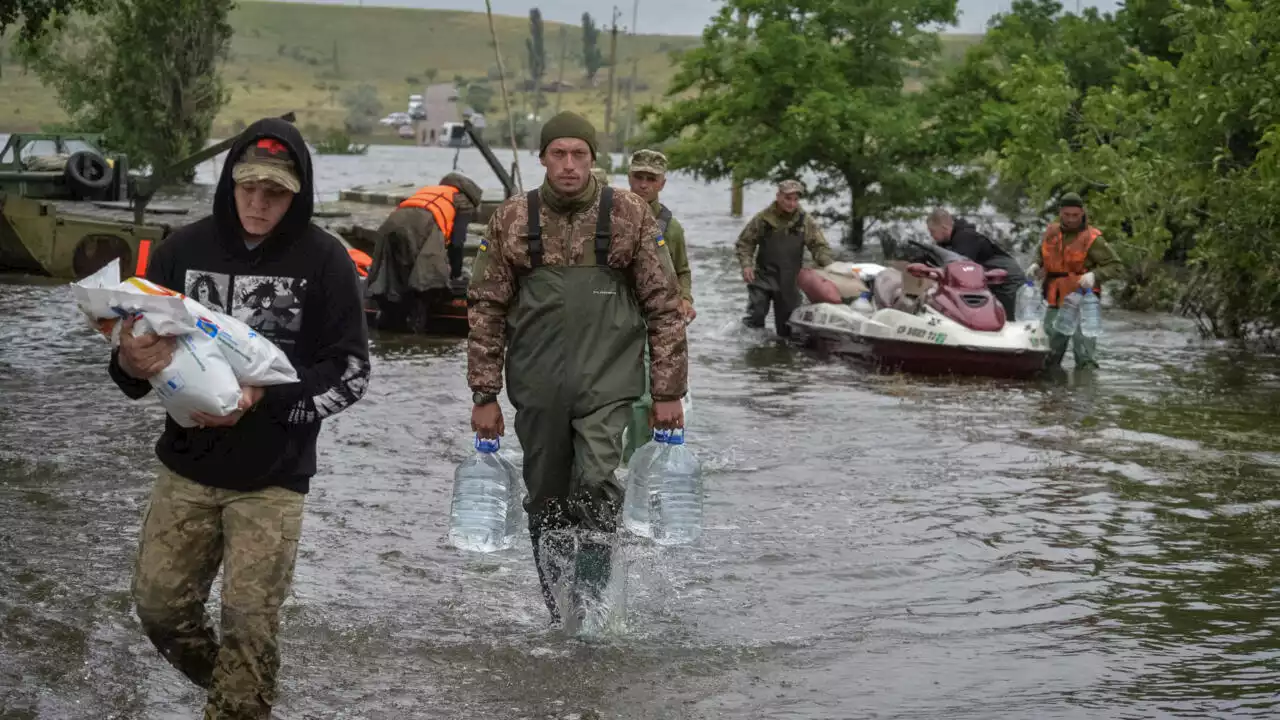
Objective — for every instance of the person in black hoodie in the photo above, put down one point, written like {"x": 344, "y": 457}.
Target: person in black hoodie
{"x": 960, "y": 236}
{"x": 231, "y": 491}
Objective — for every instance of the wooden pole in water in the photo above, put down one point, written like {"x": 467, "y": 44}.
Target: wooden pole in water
{"x": 506, "y": 102}
{"x": 631, "y": 89}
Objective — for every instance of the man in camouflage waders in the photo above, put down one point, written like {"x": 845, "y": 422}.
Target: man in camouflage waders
{"x": 648, "y": 176}
{"x": 566, "y": 290}
{"x": 771, "y": 252}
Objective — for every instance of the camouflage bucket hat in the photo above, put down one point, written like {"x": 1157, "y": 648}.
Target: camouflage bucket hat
{"x": 649, "y": 161}
{"x": 786, "y": 187}
{"x": 267, "y": 159}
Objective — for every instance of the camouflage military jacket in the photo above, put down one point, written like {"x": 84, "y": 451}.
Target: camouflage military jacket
{"x": 634, "y": 251}
{"x": 768, "y": 220}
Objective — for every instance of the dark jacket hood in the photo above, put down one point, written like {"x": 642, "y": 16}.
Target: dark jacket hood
{"x": 296, "y": 220}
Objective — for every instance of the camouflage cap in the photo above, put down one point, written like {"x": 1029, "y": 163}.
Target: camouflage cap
{"x": 649, "y": 161}
{"x": 268, "y": 159}
{"x": 786, "y": 187}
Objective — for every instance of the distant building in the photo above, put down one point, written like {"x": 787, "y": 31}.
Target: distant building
{"x": 441, "y": 104}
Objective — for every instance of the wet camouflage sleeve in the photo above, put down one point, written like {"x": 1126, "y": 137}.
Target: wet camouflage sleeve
{"x": 489, "y": 295}
{"x": 1102, "y": 261}
{"x": 748, "y": 241}
{"x": 659, "y": 296}
{"x": 680, "y": 258}
{"x": 816, "y": 242}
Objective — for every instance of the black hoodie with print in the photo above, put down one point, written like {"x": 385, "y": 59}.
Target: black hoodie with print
{"x": 297, "y": 288}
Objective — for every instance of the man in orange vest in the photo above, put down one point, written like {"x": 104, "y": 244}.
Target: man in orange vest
{"x": 1072, "y": 255}
{"x": 420, "y": 245}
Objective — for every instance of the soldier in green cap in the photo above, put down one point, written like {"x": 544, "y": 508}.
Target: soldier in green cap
{"x": 771, "y": 251}
{"x": 648, "y": 177}
{"x": 566, "y": 291}
{"x": 1072, "y": 255}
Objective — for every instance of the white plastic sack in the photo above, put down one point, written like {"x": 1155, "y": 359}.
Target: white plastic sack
{"x": 215, "y": 353}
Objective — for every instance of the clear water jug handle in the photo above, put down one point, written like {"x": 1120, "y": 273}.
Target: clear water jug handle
{"x": 487, "y": 445}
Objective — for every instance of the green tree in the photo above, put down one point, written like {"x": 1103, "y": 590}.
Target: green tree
{"x": 1180, "y": 165}
{"x": 592, "y": 58}
{"x": 145, "y": 72}
{"x": 480, "y": 97}
{"x": 363, "y": 108}
{"x": 40, "y": 16}
{"x": 783, "y": 88}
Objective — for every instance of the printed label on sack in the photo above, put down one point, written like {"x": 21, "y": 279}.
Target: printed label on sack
{"x": 207, "y": 326}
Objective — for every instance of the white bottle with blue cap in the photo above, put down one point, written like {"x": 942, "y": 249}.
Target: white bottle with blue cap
{"x": 674, "y": 477}
{"x": 1029, "y": 305}
{"x": 635, "y": 506}
{"x": 483, "y": 493}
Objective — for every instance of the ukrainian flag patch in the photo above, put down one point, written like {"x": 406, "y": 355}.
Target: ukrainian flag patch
{"x": 661, "y": 241}
{"x": 484, "y": 245}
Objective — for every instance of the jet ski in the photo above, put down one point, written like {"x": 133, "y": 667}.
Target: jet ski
{"x": 955, "y": 326}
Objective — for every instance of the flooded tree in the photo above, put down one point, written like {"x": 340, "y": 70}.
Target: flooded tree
{"x": 778, "y": 89}
{"x": 144, "y": 72}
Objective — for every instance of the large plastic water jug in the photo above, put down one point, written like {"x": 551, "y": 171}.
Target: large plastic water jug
{"x": 1090, "y": 314}
{"x": 1029, "y": 305}
{"x": 635, "y": 505}
{"x": 674, "y": 477}
{"x": 863, "y": 303}
{"x": 1068, "y": 315}
{"x": 485, "y": 486}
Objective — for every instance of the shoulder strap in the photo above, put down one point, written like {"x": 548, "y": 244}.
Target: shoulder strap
{"x": 604, "y": 226}
{"x": 535, "y": 228}
{"x": 664, "y": 219}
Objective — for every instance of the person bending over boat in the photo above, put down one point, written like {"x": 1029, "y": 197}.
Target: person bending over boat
{"x": 420, "y": 245}
{"x": 564, "y": 294}
{"x": 960, "y": 236}
{"x": 230, "y": 492}
{"x": 771, "y": 252}
{"x": 1072, "y": 255}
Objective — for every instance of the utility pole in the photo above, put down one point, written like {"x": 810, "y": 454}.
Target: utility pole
{"x": 613, "y": 62}
{"x": 631, "y": 88}
{"x": 564, "y": 51}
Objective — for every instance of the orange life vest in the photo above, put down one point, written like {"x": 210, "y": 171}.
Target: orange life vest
{"x": 438, "y": 199}
{"x": 362, "y": 261}
{"x": 1064, "y": 262}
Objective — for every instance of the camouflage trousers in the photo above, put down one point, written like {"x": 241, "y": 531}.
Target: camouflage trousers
{"x": 190, "y": 530}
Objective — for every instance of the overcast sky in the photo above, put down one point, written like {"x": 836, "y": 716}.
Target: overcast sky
{"x": 668, "y": 17}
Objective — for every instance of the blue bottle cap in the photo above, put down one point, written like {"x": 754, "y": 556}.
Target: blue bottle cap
{"x": 486, "y": 445}
{"x": 1031, "y": 283}
{"x": 1088, "y": 291}
{"x": 866, "y": 295}
{"x": 660, "y": 436}
{"x": 676, "y": 437}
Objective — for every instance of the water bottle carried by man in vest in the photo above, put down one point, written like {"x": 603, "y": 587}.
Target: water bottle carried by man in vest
{"x": 1072, "y": 258}
{"x": 419, "y": 250}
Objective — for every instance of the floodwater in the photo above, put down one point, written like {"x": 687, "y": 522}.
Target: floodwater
{"x": 1094, "y": 545}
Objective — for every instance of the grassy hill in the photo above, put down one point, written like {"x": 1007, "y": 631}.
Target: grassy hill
{"x": 289, "y": 56}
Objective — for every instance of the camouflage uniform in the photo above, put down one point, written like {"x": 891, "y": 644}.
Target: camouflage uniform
{"x": 774, "y": 243}
{"x": 672, "y": 233}
{"x": 189, "y": 530}
{"x": 569, "y": 314}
